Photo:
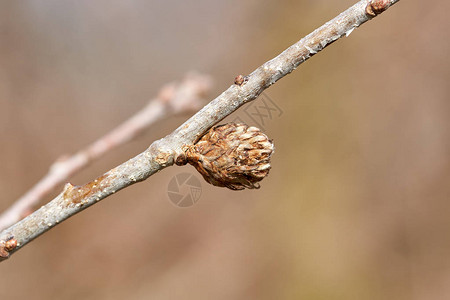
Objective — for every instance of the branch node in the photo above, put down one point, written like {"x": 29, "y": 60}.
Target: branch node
{"x": 11, "y": 244}
{"x": 240, "y": 80}
{"x": 376, "y": 7}
{"x": 181, "y": 157}
{"x": 7, "y": 246}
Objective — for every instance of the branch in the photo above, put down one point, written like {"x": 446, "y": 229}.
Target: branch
{"x": 173, "y": 98}
{"x": 163, "y": 153}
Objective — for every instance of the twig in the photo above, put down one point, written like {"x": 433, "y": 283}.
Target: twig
{"x": 163, "y": 153}
{"x": 174, "y": 98}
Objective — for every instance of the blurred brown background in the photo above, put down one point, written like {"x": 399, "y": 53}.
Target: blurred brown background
{"x": 355, "y": 207}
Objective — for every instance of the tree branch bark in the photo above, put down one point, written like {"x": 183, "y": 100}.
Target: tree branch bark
{"x": 174, "y": 98}
{"x": 162, "y": 153}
